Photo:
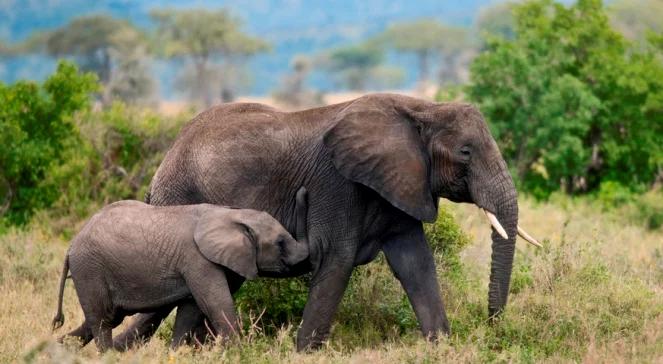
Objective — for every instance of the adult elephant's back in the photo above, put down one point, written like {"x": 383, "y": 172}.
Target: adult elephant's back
{"x": 237, "y": 154}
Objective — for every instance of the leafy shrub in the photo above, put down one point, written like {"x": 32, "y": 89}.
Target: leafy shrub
{"x": 57, "y": 154}
{"x": 37, "y": 133}
{"x": 119, "y": 150}
{"x": 279, "y": 301}
{"x": 521, "y": 276}
{"x": 649, "y": 209}
{"x": 612, "y": 194}
{"x": 447, "y": 240}
{"x": 644, "y": 209}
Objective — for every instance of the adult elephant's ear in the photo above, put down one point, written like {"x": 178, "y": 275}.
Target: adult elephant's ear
{"x": 382, "y": 150}
{"x": 227, "y": 243}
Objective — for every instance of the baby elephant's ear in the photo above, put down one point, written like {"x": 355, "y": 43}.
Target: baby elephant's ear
{"x": 227, "y": 243}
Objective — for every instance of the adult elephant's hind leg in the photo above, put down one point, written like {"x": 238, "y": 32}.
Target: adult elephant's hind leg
{"x": 411, "y": 260}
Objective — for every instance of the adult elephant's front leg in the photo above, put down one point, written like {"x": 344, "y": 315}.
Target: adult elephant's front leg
{"x": 326, "y": 291}
{"x": 411, "y": 260}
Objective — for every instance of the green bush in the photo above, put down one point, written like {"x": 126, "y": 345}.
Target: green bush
{"x": 58, "y": 154}
{"x": 612, "y": 194}
{"x": 119, "y": 150}
{"x": 649, "y": 209}
{"x": 278, "y": 301}
{"x": 645, "y": 209}
{"x": 37, "y": 135}
{"x": 447, "y": 240}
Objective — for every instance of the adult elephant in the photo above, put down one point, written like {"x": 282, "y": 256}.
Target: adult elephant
{"x": 374, "y": 168}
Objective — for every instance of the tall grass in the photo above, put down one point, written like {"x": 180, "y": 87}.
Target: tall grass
{"x": 594, "y": 293}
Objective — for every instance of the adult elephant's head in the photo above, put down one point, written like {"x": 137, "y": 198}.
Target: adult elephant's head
{"x": 412, "y": 152}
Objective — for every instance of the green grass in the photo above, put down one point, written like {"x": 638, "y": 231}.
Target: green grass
{"x": 594, "y": 293}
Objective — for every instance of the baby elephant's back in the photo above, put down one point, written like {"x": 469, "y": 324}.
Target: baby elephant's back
{"x": 134, "y": 231}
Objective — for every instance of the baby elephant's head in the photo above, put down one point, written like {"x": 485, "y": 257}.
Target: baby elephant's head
{"x": 248, "y": 241}
{"x": 276, "y": 249}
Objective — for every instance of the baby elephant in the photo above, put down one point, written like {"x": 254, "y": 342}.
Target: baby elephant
{"x": 132, "y": 257}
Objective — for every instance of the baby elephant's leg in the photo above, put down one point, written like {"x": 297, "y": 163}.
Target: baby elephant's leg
{"x": 142, "y": 328}
{"x": 83, "y": 333}
{"x": 190, "y": 325}
{"x": 100, "y": 314}
{"x": 103, "y": 335}
{"x": 103, "y": 329}
{"x": 210, "y": 290}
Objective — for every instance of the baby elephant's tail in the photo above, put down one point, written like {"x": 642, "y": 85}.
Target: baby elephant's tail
{"x": 58, "y": 320}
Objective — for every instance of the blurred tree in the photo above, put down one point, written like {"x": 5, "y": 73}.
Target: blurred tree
{"x": 428, "y": 38}
{"x": 293, "y": 91}
{"x": 112, "y": 48}
{"x": 496, "y": 20}
{"x": 386, "y": 77}
{"x": 635, "y": 18}
{"x": 207, "y": 38}
{"x": 354, "y": 64}
{"x": 131, "y": 80}
{"x": 571, "y": 103}
{"x": 5, "y": 50}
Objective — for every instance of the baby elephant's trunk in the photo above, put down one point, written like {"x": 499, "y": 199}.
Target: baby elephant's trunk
{"x": 58, "y": 320}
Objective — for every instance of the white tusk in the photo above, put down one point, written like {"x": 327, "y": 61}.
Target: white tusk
{"x": 496, "y": 224}
{"x": 523, "y": 234}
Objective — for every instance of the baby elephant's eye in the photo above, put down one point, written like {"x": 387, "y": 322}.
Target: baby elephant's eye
{"x": 465, "y": 151}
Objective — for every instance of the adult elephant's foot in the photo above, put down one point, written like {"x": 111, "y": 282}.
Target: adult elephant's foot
{"x": 141, "y": 329}
{"x": 325, "y": 294}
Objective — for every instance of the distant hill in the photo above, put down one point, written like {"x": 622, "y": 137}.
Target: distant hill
{"x": 292, "y": 26}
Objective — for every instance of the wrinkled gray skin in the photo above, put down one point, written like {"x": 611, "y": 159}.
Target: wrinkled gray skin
{"x": 132, "y": 257}
{"x": 374, "y": 168}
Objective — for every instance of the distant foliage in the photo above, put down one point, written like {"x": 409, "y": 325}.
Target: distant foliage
{"x": 571, "y": 102}
{"x": 37, "y": 136}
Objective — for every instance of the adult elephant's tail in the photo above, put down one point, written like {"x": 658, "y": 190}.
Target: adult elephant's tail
{"x": 58, "y": 320}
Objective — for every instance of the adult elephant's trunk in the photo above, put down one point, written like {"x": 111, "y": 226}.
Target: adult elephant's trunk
{"x": 503, "y": 249}
{"x": 499, "y": 197}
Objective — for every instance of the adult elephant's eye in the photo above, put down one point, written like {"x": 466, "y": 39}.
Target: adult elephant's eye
{"x": 465, "y": 151}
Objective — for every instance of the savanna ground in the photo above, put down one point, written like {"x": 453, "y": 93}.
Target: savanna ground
{"x": 594, "y": 293}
